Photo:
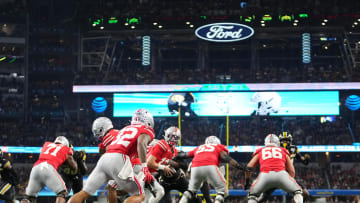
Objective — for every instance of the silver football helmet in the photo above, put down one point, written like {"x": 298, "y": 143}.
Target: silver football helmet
{"x": 212, "y": 140}
{"x": 143, "y": 116}
{"x": 172, "y": 135}
{"x": 62, "y": 140}
{"x": 272, "y": 140}
{"x": 101, "y": 126}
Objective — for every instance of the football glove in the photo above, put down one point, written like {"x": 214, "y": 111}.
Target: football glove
{"x": 148, "y": 177}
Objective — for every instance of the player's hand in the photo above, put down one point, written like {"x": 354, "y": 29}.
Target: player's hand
{"x": 168, "y": 171}
{"x": 148, "y": 177}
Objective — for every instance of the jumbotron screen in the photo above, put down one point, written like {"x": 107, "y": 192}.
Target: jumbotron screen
{"x": 281, "y": 103}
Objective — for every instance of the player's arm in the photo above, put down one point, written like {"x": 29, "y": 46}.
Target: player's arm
{"x": 226, "y": 158}
{"x": 183, "y": 155}
{"x": 80, "y": 159}
{"x": 71, "y": 162}
{"x": 304, "y": 159}
{"x": 151, "y": 162}
{"x": 143, "y": 141}
{"x": 249, "y": 168}
{"x": 290, "y": 167}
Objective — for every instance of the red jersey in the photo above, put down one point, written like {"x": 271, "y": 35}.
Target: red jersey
{"x": 272, "y": 158}
{"x": 163, "y": 153}
{"x": 207, "y": 154}
{"x": 54, "y": 154}
{"x": 126, "y": 140}
{"x": 108, "y": 138}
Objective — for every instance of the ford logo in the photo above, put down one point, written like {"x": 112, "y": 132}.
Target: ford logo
{"x": 224, "y": 32}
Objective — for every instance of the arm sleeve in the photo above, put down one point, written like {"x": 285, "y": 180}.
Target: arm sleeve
{"x": 192, "y": 152}
{"x": 157, "y": 152}
{"x": 101, "y": 146}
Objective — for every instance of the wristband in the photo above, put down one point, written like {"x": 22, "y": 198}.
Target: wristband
{"x": 143, "y": 165}
{"x": 161, "y": 167}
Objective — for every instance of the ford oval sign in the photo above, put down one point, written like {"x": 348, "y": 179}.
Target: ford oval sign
{"x": 224, "y": 32}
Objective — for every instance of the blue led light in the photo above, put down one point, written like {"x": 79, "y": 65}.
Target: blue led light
{"x": 306, "y": 48}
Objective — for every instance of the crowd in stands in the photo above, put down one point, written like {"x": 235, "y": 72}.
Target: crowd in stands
{"x": 241, "y": 131}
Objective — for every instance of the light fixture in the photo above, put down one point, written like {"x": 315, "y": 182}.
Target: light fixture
{"x": 102, "y": 27}
{"x": 323, "y": 24}
{"x": 295, "y": 24}
{"x": 187, "y": 23}
{"x": 355, "y": 23}
{"x": 296, "y": 21}
{"x": 191, "y": 26}
{"x": 155, "y": 23}
{"x": 262, "y": 25}
{"x": 262, "y": 21}
{"x": 132, "y": 27}
{"x": 160, "y": 26}
{"x": 126, "y": 24}
{"x": 325, "y": 20}
{"x": 94, "y": 25}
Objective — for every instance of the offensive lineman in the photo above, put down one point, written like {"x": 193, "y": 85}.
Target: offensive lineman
{"x": 286, "y": 142}
{"x": 114, "y": 164}
{"x": 205, "y": 166}
{"x": 276, "y": 170}
{"x": 53, "y": 154}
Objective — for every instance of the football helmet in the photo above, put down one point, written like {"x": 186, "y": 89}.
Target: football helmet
{"x": 272, "y": 140}
{"x": 172, "y": 135}
{"x": 62, "y": 140}
{"x": 143, "y": 116}
{"x": 212, "y": 140}
{"x": 101, "y": 126}
{"x": 267, "y": 102}
{"x": 285, "y": 139}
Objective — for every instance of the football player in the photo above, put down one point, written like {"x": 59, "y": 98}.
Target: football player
{"x": 74, "y": 178}
{"x": 286, "y": 142}
{"x": 8, "y": 180}
{"x": 44, "y": 171}
{"x": 131, "y": 142}
{"x": 161, "y": 164}
{"x": 205, "y": 166}
{"x": 276, "y": 171}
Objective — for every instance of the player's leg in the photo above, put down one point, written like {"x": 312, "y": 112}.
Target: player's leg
{"x": 34, "y": 186}
{"x": 97, "y": 177}
{"x": 197, "y": 176}
{"x": 217, "y": 180}
{"x": 55, "y": 182}
{"x": 112, "y": 193}
{"x": 262, "y": 183}
{"x": 159, "y": 192}
{"x": 288, "y": 184}
{"x": 126, "y": 179}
